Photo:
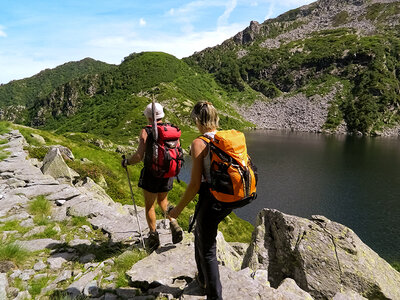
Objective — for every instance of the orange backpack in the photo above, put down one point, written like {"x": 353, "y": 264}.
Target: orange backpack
{"x": 233, "y": 175}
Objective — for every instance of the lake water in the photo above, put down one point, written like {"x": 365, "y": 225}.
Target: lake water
{"x": 351, "y": 180}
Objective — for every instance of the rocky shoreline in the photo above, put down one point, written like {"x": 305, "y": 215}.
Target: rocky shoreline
{"x": 288, "y": 258}
{"x": 298, "y": 113}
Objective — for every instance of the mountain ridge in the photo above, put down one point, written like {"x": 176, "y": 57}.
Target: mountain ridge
{"x": 350, "y": 47}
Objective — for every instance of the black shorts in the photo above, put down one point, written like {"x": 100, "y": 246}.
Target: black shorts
{"x": 154, "y": 184}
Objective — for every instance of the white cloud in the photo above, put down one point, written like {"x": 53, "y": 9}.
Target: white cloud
{"x": 19, "y": 67}
{"x": 142, "y": 22}
{"x": 270, "y": 12}
{"x": 180, "y": 46}
{"x": 2, "y": 32}
{"x": 230, "y": 6}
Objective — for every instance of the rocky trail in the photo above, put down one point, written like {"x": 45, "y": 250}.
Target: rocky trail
{"x": 288, "y": 258}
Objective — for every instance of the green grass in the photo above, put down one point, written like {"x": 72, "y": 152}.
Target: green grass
{"x": 4, "y": 127}
{"x": 36, "y": 286}
{"x": 40, "y": 208}
{"x": 124, "y": 262}
{"x": 4, "y": 154}
{"x": 38, "y": 152}
{"x": 79, "y": 221}
{"x": 13, "y": 252}
{"x": 396, "y": 265}
{"x": 13, "y": 226}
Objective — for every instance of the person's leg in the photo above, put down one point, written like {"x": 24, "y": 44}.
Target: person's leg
{"x": 176, "y": 230}
{"x": 162, "y": 199}
{"x": 206, "y": 247}
{"x": 149, "y": 199}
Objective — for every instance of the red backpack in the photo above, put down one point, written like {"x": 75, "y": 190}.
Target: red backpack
{"x": 164, "y": 157}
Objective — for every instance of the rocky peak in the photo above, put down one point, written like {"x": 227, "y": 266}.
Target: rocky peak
{"x": 248, "y": 35}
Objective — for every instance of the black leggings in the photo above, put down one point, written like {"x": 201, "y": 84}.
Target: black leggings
{"x": 210, "y": 214}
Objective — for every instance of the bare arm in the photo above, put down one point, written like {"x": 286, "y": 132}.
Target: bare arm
{"x": 138, "y": 155}
{"x": 198, "y": 150}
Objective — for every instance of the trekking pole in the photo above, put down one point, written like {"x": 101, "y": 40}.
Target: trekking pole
{"x": 134, "y": 204}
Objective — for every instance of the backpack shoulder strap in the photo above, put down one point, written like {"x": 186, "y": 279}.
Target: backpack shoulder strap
{"x": 205, "y": 139}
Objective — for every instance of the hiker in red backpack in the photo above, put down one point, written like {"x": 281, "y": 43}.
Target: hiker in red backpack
{"x": 156, "y": 181}
{"x": 209, "y": 213}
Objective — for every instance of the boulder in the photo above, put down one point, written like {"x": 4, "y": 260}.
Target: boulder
{"x": 55, "y": 166}
{"x": 76, "y": 288}
{"x": 227, "y": 255}
{"x": 167, "y": 264}
{"x": 65, "y": 152}
{"x": 3, "y": 285}
{"x": 323, "y": 257}
{"x": 38, "y": 138}
{"x": 39, "y": 244}
{"x": 94, "y": 191}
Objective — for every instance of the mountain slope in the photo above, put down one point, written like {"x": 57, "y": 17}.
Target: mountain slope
{"x": 17, "y": 95}
{"x": 111, "y": 104}
{"x": 351, "y": 47}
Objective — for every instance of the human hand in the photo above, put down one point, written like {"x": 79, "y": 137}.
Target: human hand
{"x": 124, "y": 162}
{"x": 173, "y": 213}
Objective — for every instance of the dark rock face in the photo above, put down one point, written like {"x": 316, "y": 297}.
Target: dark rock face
{"x": 322, "y": 256}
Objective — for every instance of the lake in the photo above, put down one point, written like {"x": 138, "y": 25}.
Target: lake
{"x": 351, "y": 180}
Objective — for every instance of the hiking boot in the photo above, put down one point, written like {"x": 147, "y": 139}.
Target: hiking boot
{"x": 176, "y": 231}
{"x": 153, "y": 241}
{"x": 200, "y": 282}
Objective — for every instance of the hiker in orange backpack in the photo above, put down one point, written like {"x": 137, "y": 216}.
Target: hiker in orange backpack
{"x": 206, "y": 181}
{"x": 156, "y": 177}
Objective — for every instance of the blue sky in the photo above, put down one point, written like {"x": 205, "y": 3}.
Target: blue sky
{"x": 40, "y": 34}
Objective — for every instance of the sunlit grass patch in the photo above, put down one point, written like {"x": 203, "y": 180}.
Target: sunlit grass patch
{"x": 4, "y": 127}
{"x": 79, "y": 221}
{"x": 40, "y": 207}
{"x": 36, "y": 286}
{"x": 124, "y": 262}
{"x": 13, "y": 225}
{"x": 13, "y": 252}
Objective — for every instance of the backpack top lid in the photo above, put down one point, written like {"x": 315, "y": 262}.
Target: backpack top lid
{"x": 233, "y": 143}
{"x": 165, "y": 131}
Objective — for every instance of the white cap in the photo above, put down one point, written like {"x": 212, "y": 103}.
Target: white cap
{"x": 159, "y": 111}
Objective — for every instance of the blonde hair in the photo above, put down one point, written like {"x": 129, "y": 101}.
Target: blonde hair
{"x": 205, "y": 114}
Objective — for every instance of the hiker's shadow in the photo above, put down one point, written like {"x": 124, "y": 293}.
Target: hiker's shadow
{"x": 100, "y": 250}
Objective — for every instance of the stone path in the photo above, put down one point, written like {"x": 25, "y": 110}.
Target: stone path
{"x": 21, "y": 181}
